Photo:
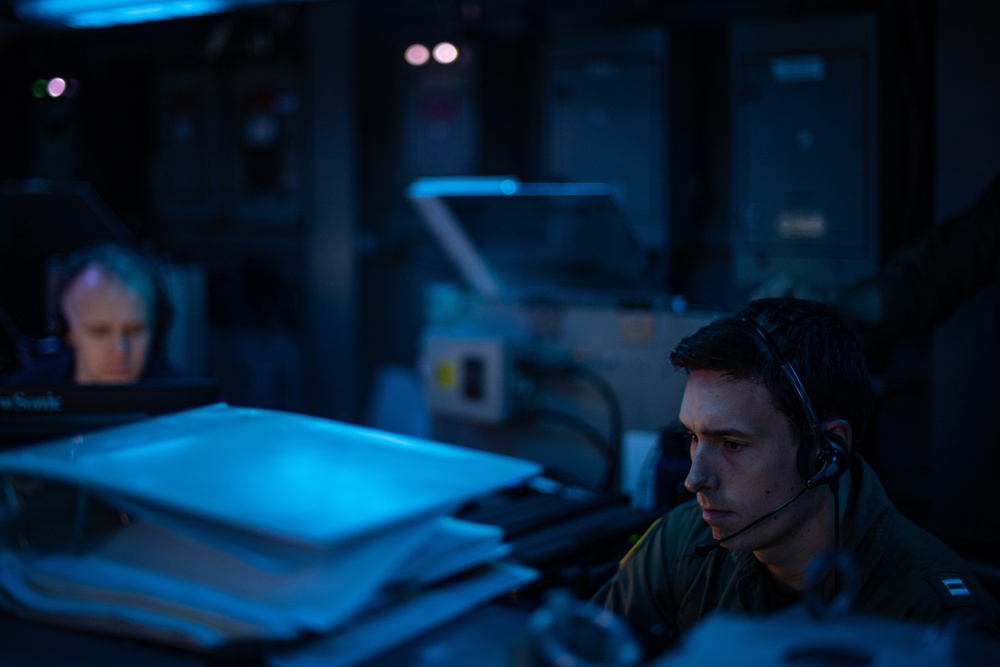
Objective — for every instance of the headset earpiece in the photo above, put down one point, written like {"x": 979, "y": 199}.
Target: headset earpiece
{"x": 831, "y": 461}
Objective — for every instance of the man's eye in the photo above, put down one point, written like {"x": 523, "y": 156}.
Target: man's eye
{"x": 733, "y": 446}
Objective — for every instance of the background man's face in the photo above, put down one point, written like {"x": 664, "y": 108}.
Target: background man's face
{"x": 110, "y": 327}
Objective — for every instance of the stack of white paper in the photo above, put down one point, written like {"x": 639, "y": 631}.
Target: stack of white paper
{"x": 254, "y": 525}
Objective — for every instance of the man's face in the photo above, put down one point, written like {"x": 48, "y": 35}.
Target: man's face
{"x": 743, "y": 462}
{"x": 110, "y": 327}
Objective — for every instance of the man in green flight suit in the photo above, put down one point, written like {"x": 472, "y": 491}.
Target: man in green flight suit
{"x": 776, "y": 402}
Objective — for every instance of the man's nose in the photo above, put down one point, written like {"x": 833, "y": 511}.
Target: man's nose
{"x": 700, "y": 475}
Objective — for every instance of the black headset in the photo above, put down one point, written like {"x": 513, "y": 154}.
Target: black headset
{"x": 103, "y": 253}
{"x": 833, "y": 458}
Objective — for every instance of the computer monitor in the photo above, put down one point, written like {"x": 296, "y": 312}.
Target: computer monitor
{"x": 36, "y": 413}
{"x": 518, "y": 241}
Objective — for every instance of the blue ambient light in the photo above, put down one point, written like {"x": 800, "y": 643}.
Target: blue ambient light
{"x": 101, "y": 13}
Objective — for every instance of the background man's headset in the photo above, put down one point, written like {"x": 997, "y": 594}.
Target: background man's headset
{"x": 831, "y": 461}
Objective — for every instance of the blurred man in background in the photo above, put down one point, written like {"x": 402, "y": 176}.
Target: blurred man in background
{"x": 111, "y": 313}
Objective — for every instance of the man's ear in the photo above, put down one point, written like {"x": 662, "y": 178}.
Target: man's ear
{"x": 830, "y": 456}
{"x": 840, "y": 432}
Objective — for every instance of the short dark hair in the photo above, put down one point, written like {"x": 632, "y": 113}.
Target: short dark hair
{"x": 824, "y": 352}
{"x": 121, "y": 261}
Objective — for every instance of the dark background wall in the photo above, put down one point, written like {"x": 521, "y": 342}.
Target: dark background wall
{"x": 273, "y": 146}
